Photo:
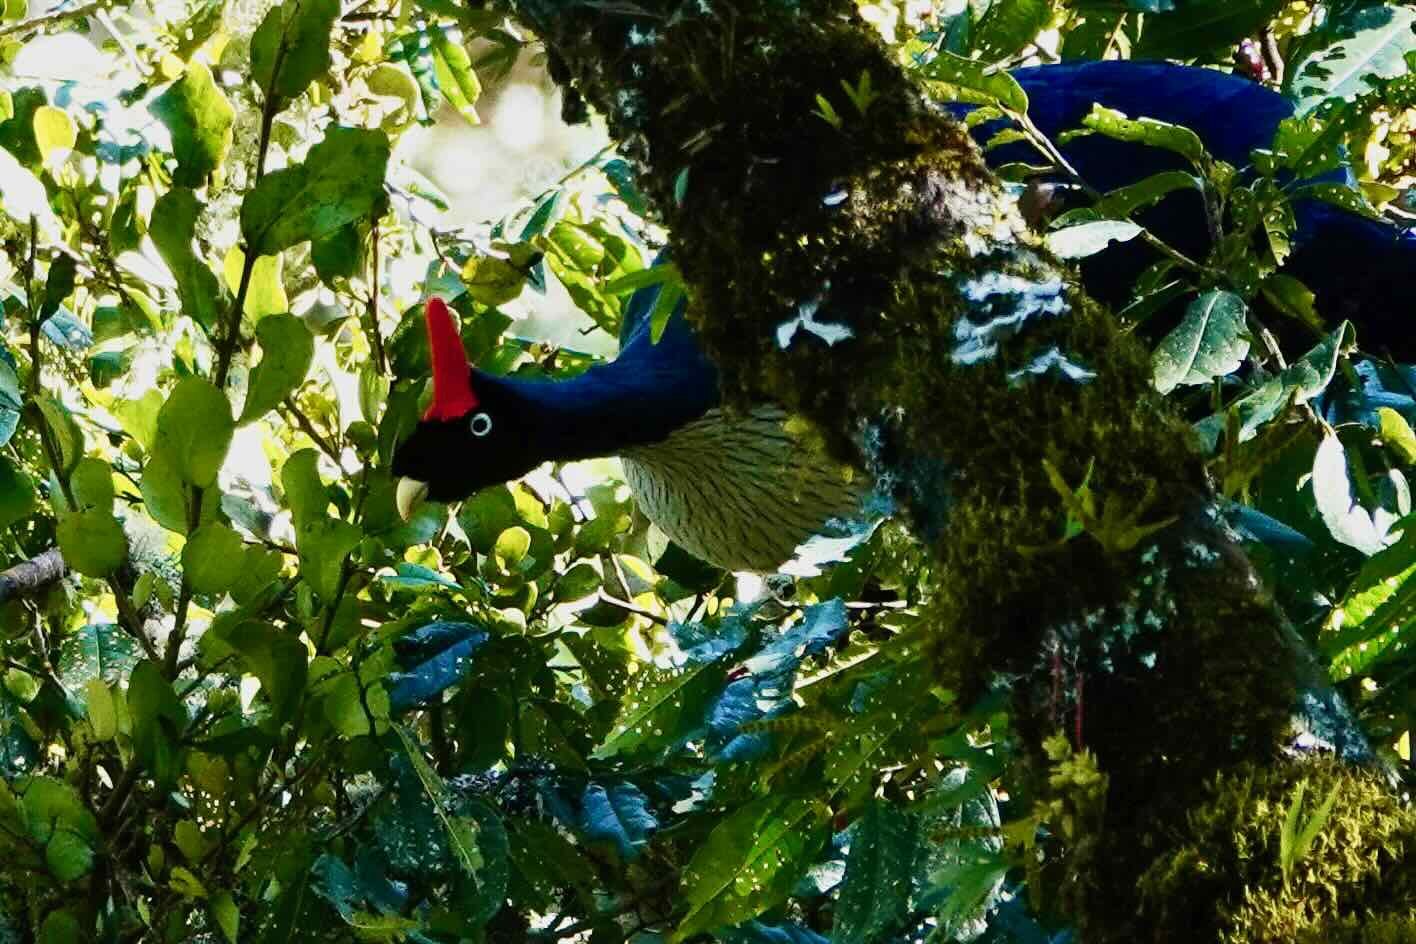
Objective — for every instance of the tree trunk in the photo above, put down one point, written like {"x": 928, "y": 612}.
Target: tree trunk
{"x": 968, "y": 371}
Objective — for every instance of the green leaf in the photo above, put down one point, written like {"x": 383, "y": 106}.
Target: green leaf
{"x": 1149, "y": 131}
{"x": 173, "y": 227}
{"x": 512, "y": 546}
{"x": 305, "y": 493}
{"x": 1088, "y": 239}
{"x": 967, "y": 80}
{"x": 17, "y": 495}
{"x": 457, "y": 80}
{"x": 92, "y": 485}
{"x": 664, "y": 305}
{"x": 214, "y": 558}
{"x": 265, "y": 294}
{"x": 548, "y": 862}
{"x": 340, "y": 181}
{"x": 875, "y": 891}
{"x": 58, "y": 820}
{"x": 225, "y": 914}
{"x": 287, "y": 348}
{"x": 167, "y": 498}
{"x": 324, "y": 543}
{"x": 338, "y": 254}
{"x": 60, "y": 927}
{"x": 750, "y": 861}
{"x": 96, "y": 651}
{"x": 1378, "y": 47}
{"x": 577, "y": 583}
{"x": 661, "y": 707}
{"x": 1123, "y": 201}
{"x": 1299, "y": 383}
{"x": 63, "y": 431}
{"x": 1203, "y": 27}
{"x": 461, "y": 833}
{"x": 1210, "y": 342}
{"x": 158, "y": 722}
{"x": 1397, "y": 434}
{"x": 53, "y": 131}
{"x": 58, "y": 283}
{"x": 194, "y": 429}
{"x": 102, "y": 713}
{"x": 1343, "y": 196}
{"x": 277, "y": 658}
{"x": 199, "y": 119}
{"x": 1009, "y": 25}
{"x": 93, "y": 541}
{"x": 492, "y": 281}
{"x": 290, "y": 49}
{"x": 139, "y": 417}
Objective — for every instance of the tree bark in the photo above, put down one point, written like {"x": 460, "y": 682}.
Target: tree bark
{"x": 967, "y": 370}
{"x": 32, "y": 575}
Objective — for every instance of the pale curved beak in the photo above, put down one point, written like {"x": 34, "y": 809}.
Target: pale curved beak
{"x": 409, "y": 496}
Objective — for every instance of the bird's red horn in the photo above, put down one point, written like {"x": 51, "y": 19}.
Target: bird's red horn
{"x": 452, "y": 376}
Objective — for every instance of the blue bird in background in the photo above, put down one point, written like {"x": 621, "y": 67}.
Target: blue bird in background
{"x": 741, "y": 492}
{"x": 1358, "y": 269}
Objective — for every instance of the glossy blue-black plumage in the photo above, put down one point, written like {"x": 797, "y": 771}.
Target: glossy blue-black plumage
{"x": 1356, "y": 267}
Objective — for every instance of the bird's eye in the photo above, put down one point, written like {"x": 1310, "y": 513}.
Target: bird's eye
{"x": 481, "y": 424}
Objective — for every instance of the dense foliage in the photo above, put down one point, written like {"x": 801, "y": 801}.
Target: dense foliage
{"x": 263, "y": 707}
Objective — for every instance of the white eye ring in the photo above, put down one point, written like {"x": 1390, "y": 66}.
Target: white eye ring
{"x": 481, "y": 424}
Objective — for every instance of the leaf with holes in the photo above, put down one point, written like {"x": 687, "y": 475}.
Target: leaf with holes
{"x": 341, "y": 180}
{"x": 750, "y": 861}
{"x": 1212, "y": 341}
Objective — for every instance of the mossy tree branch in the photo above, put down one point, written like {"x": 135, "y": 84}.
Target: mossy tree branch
{"x": 981, "y": 385}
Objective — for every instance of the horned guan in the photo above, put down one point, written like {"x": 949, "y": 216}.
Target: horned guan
{"x": 738, "y": 490}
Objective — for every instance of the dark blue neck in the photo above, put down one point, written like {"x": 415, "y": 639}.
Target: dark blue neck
{"x": 636, "y": 400}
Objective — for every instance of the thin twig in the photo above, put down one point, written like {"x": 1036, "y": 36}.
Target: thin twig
{"x": 380, "y": 358}
{"x": 50, "y": 19}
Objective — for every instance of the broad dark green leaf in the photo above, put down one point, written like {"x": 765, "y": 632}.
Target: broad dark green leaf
{"x": 457, "y": 80}
{"x": 1212, "y": 341}
{"x": 1379, "y": 43}
{"x": 173, "y": 228}
{"x": 214, "y": 558}
{"x": 1123, "y": 201}
{"x": 875, "y": 891}
{"x": 194, "y": 429}
{"x": 17, "y": 495}
{"x": 277, "y": 657}
{"x": 340, "y": 181}
{"x": 1203, "y": 27}
{"x": 64, "y": 433}
{"x": 287, "y": 348}
{"x": 750, "y": 861}
{"x": 199, "y": 118}
{"x": 158, "y": 722}
{"x": 61, "y": 824}
{"x": 93, "y": 541}
{"x": 661, "y": 707}
{"x": 969, "y": 81}
{"x": 96, "y": 651}
{"x": 1009, "y": 25}
{"x": 290, "y": 49}
{"x": 1143, "y": 130}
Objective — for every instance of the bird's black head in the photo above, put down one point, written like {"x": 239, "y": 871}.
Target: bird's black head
{"x": 475, "y": 433}
{"x": 492, "y": 442}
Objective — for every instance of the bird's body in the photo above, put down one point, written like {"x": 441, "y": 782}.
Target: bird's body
{"x": 742, "y": 491}
{"x": 1357, "y": 268}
